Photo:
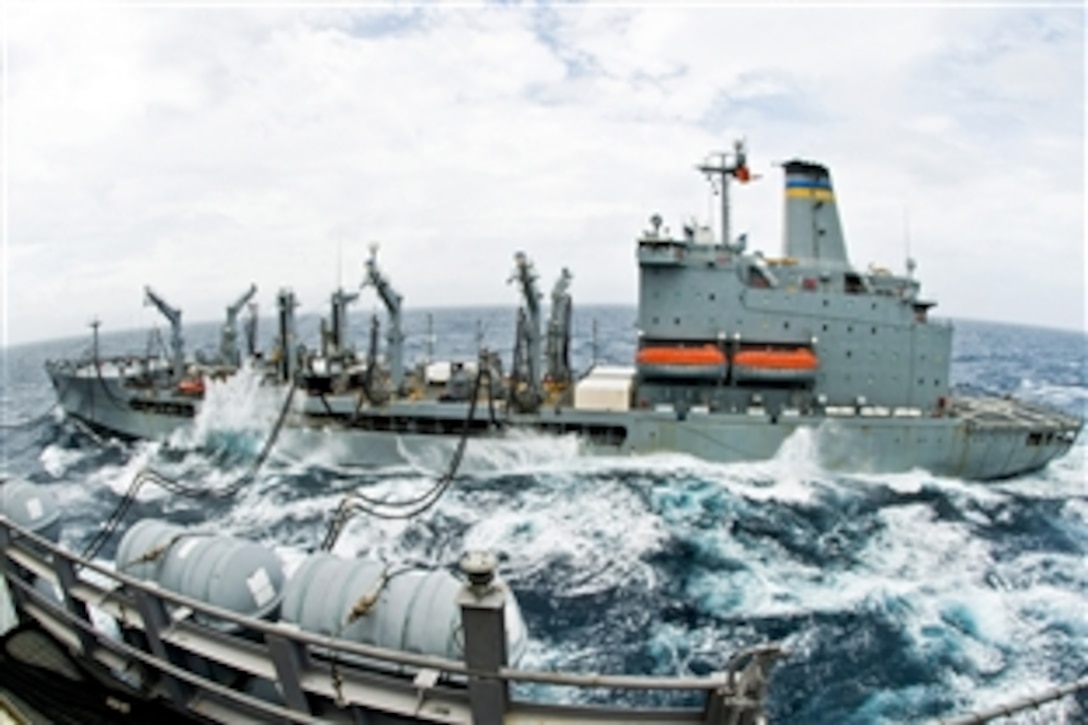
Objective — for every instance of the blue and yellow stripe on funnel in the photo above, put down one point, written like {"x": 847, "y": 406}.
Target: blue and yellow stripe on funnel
{"x": 807, "y": 187}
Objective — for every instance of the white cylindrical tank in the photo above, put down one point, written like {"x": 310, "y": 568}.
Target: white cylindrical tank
{"x": 229, "y": 573}
{"x": 31, "y": 507}
{"x": 35, "y": 509}
{"x": 141, "y": 539}
{"x": 412, "y": 611}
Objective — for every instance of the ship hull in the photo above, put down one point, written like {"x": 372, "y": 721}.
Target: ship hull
{"x": 978, "y": 439}
{"x": 111, "y": 405}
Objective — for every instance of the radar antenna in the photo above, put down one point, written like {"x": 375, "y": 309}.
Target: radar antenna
{"x": 719, "y": 167}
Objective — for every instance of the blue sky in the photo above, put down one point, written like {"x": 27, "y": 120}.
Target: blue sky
{"x": 198, "y": 149}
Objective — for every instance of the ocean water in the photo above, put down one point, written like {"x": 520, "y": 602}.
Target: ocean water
{"x": 901, "y": 598}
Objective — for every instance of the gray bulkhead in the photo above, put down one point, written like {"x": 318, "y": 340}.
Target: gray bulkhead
{"x": 873, "y": 339}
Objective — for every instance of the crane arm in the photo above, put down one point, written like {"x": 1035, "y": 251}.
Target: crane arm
{"x": 374, "y": 277}
{"x": 233, "y": 310}
{"x": 170, "y": 313}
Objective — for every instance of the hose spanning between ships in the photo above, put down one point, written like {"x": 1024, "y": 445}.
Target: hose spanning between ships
{"x": 176, "y": 486}
{"x": 352, "y": 504}
{"x": 358, "y": 502}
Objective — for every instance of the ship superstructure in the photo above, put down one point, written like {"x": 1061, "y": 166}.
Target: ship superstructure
{"x": 725, "y": 329}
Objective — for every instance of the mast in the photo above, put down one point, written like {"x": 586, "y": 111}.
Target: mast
{"x": 177, "y": 344}
{"x": 391, "y": 300}
{"x": 719, "y": 167}
{"x": 95, "y": 324}
{"x": 285, "y": 308}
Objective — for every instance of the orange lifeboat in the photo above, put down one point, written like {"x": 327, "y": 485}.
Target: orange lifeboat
{"x": 670, "y": 361}
{"x": 191, "y": 386}
{"x": 782, "y": 364}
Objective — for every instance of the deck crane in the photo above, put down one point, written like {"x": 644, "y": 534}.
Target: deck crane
{"x": 228, "y": 336}
{"x": 526, "y": 367}
{"x": 177, "y": 343}
{"x": 391, "y": 300}
{"x": 557, "y": 352}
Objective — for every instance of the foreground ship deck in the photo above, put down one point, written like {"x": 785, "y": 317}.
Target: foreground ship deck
{"x": 106, "y": 639}
{"x": 737, "y": 352}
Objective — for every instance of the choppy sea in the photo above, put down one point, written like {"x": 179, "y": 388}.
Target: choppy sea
{"x": 902, "y": 598}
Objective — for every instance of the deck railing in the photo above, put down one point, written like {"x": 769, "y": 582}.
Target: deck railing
{"x": 194, "y": 655}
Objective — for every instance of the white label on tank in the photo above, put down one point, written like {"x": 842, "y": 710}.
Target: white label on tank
{"x": 260, "y": 587}
{"x": 34, "y": 508}
{"x": 187, "y": 546}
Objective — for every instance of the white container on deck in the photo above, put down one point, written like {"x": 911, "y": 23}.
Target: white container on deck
{"x": 605, "y": 388}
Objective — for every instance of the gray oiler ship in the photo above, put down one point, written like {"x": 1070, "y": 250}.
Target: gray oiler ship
{"x": 737, "y": 352}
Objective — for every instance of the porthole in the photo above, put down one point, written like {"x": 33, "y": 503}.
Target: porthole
{"x": 874, "y": 330}
{"x": 676, "y": 320}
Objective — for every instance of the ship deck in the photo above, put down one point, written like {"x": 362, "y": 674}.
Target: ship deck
{"x": 1006, "y": 412}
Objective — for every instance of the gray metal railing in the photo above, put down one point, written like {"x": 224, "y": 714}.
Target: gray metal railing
{"x": 185, "y": 646}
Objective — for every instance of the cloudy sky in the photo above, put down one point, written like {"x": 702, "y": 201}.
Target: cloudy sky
{"x": 200, "y": 148}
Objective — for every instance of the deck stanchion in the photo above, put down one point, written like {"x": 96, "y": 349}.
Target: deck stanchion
{"x": 290, "y": 659}
{"x": 66, "y": 578}
{"x": 482, "y": 601}
{"x": 155, "y": 620}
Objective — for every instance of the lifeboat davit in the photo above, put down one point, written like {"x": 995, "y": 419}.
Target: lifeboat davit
{"x": 706, "y": 361}
{"x": 777, "y": 365}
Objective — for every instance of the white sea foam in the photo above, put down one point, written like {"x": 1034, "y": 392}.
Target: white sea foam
{"x": 57, "y": 460}
{"x": 238, "y": 404}
{"x": 513, "y": 452}
{"x": 1063, "y": 396}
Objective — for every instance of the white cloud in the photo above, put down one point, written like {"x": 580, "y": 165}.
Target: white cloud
{"x": 200, "y": 149}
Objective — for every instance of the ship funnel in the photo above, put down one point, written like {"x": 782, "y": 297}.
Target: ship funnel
{"x": 812, "y": 229}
